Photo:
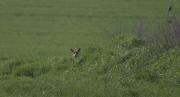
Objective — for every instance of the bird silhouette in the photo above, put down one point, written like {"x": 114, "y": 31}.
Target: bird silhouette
{"x": 170, "y": 8}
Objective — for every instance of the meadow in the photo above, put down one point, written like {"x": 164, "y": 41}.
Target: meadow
{"x": 36, "y": 37}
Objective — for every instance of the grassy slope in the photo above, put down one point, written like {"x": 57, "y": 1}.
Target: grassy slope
{"x": 123, "y": 68}
{"x": 126, "y": 68}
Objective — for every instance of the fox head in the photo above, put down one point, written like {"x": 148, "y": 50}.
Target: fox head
{"x": 75, "y": 52}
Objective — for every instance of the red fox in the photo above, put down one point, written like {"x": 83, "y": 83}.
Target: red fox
{"x": 75, "y": 52}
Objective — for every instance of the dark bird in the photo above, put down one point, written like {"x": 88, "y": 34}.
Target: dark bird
{"x": 170, "y": 8}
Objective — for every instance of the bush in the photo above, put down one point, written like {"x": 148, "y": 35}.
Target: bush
{"x": 8, "y": 66}
{"x": 32, "y": 70}
{"x": 19, "y": 67}
{"x": 166, "y": 36}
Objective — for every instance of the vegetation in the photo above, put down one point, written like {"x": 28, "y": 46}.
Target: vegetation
{"x": 126, "y": 68}
{"x": 118, "y": 57}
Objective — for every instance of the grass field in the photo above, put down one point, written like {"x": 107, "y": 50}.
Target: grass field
{"x": 36, "y": 35}
{"x": 50, "y": 28}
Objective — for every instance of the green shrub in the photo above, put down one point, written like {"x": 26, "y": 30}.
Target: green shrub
{"x": 8, "y": 66}
{"x": 32, "y": 70}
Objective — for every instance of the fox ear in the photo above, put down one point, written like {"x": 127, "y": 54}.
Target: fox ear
{"x": 79, "y": 49}
{"x": 72, "y": 50}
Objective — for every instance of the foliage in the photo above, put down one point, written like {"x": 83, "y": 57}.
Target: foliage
{"x": 127, "y": 68}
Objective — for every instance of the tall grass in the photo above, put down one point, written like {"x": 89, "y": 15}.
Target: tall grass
{"x": 124, "y": 68}
{"x": 131, "y": 64}
{"x": 166, "y": 35}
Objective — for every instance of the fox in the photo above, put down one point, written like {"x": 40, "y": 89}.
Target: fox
{"x": 75, "y": 52}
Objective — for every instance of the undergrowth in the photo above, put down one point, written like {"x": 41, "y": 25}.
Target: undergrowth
{"x": 124, "y": 68}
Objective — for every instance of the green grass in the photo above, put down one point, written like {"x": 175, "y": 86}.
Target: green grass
{"x": 50, "y": 28}
{"x": 126, "y": 68}
{"x": 35, "y": 38}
